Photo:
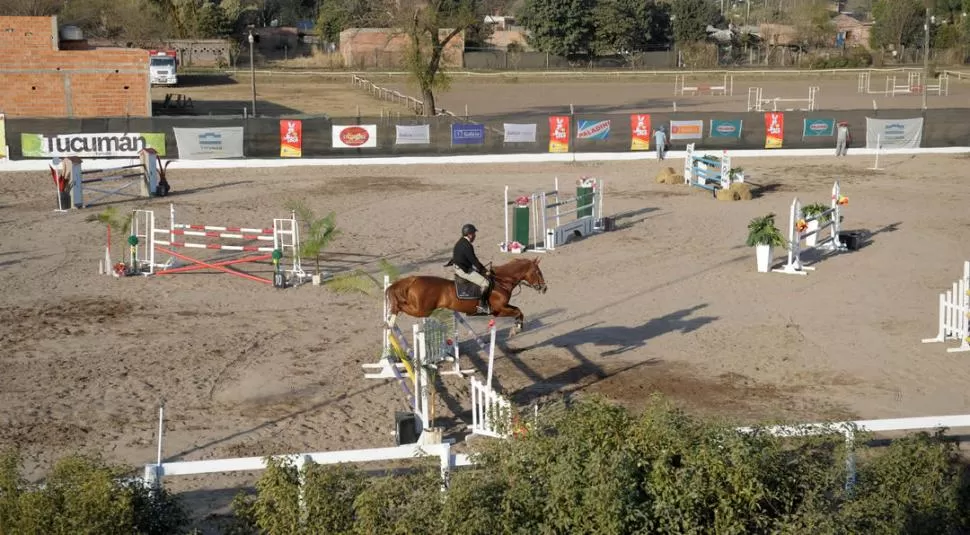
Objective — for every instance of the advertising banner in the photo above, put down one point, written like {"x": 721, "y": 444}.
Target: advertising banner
{"x": 593, "y": 130}
{"x": 291, "y": 139}
{"x": 519, "y": 133}
{"x": 894, "y": 133}
{"x": 559, "y": 133}
{"x": 413, "y": 134}
{"x": 720, "y": 128}
{"x": 354, "y": 136}
{"x": 90, "y": 145}
{"x": 467, "y": 134}
{"x": 640, "y": 130}
{"x": 686, "y": 130}
{"x": 818, "y": 128}
{"x": 3, "y": 138}
{"x": 774, "y": 130}
{"x": 209, "y": 143}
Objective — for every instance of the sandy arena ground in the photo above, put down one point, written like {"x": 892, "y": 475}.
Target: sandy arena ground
{"x": 670, "y": 302}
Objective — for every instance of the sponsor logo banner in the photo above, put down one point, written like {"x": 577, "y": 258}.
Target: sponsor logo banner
{"x": 640, "y": 129}
{"x": 417, "y": 134}
{"x": 818, "y": 128}
{"x": 355, "y": 136}
{"x": 467, "y": 134}
{"x": 593, "y": 130}
{"x": 721, "y": 128}
{"x": 774, "y": 130}
{"x": 559, "y": 133}
{"x": 3, "y": 138}
{"x": 519, "y": 133}
{"x": 686, "y": 130}
{"x": 291, "y": 139}
{"x": 90, "y": 145}
{"x": 209, "y": 143}
{"x": 894, "y": 133}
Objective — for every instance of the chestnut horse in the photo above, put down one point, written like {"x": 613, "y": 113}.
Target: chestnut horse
{"x": 419, "y": 295}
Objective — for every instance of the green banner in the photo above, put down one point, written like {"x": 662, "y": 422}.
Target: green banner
{"x": 91, "y": 145}
{"x": 818, "y": 128}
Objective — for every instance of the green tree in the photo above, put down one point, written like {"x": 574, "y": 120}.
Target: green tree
{"x": 335, "y": 16}
{"x": 213, "y": 22}
{"x": 560, "y": 27}
{"x": 630, "y": 26}
{"x": 813, "y": 22}
{"x": 898, "y": 23}
{"x": 691, "y": 18}
{"x": 429, "y": 27}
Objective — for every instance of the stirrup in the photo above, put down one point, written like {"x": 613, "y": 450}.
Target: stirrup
{"x": 479, "y": 309}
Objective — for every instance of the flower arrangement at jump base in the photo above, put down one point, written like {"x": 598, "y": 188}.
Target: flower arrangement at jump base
{"x": 763, "y": 235}
{"x": 816, "y": 214}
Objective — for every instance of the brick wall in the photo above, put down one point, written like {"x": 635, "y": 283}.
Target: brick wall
{"x": 384, "y": 48}
{"x": 38, "y": 80}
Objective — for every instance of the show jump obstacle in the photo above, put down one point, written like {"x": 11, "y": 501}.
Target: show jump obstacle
{"x": 808, "y": 228}
{"x": 431, "y": 347}
{"x": 538, "y": 219}
{"x": 708, "y": 172}
{"x": 72, "y": 182}
{"x": 757, "y": 102}
{"x": 725, "y": 89}
{"x": 283, "y": 236}
{"x": 955, "y": 314}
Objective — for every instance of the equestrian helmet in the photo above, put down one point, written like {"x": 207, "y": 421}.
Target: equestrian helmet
{"x": 467, "y": 229}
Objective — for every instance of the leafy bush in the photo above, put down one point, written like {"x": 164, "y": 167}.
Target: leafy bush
{"x": 83, "y": 495}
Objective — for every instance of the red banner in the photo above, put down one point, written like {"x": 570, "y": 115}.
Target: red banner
{"x": 559, "y": 133}
{"x": 774, "y": 129}
{"x": 640, "y": 128}
{"x": 291, "y": 138}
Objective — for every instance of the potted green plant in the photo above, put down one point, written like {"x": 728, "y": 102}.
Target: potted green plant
{"x": 736, "y": 174}
{"x": 317, "y": 235}
{"x": 763, "y": 235}
{"x": 814, "y": 211}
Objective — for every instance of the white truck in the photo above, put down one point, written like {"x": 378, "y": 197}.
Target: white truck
{"x": 162, "y": 67}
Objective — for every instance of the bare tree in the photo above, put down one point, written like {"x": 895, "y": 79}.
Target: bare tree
{"x": 33, "y": 8}
{"x": 429, "y": 27}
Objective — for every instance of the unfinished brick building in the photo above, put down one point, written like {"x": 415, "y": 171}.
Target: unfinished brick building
{"x": 45, "y": 76}
{"x": 383, "y": 48}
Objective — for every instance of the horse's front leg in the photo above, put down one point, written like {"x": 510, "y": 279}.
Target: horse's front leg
{"x": 509, "y": 311}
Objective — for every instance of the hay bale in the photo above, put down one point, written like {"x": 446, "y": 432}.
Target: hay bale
{"x": 667, "y": 175}
{"x": 738, "y": 191}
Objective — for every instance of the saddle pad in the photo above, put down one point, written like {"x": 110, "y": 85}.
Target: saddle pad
{"x": 467, "y": 290}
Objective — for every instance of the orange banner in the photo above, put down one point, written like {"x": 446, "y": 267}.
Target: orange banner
{"x": 774, "y": 130}
{"x": 291, "y": 138}
{"x": 559, "y": 133}
{"x": 640, "y": 128}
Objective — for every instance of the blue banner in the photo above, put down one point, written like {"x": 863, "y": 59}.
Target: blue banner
{"x": 467, "y": 134}
{"x": 721, "y": 128}
{"x": 818, "y": 128}
{"x": 593, "y": 130}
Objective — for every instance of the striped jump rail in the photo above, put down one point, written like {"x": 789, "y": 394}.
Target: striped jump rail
{"x": 284, "y": 235}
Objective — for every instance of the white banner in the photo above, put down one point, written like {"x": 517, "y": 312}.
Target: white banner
{"x": 413, "y": 135}
{"x": 520, "y": 133}
{"x": 107, "y": 145}
{"x": 894, "y": 133}
{"x": 209, "y": 143}
{"x": 354, "y": 136}
{"x": 686, "y": 130}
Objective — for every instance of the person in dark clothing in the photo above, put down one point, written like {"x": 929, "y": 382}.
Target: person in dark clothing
{"x": 468, "y": 267}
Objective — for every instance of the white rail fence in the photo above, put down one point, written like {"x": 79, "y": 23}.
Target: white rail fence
{"x": 155, "y": 473}
{"x": 391, "y": 95}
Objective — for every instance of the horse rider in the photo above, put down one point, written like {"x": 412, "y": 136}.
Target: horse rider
{"x": 468, "y": 267}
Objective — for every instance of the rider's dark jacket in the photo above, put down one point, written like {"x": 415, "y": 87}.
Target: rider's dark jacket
{"x": 464, "y": 257}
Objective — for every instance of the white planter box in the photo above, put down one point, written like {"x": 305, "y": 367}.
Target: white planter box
{"x": 811, "y": 240}
{"x": 763, "y": 254}
{"x": 316, "y": 279}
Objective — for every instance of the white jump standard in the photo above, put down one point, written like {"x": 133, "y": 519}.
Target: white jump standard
{"x": 809, "y": 229}
{"x": 955, "y": 314}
